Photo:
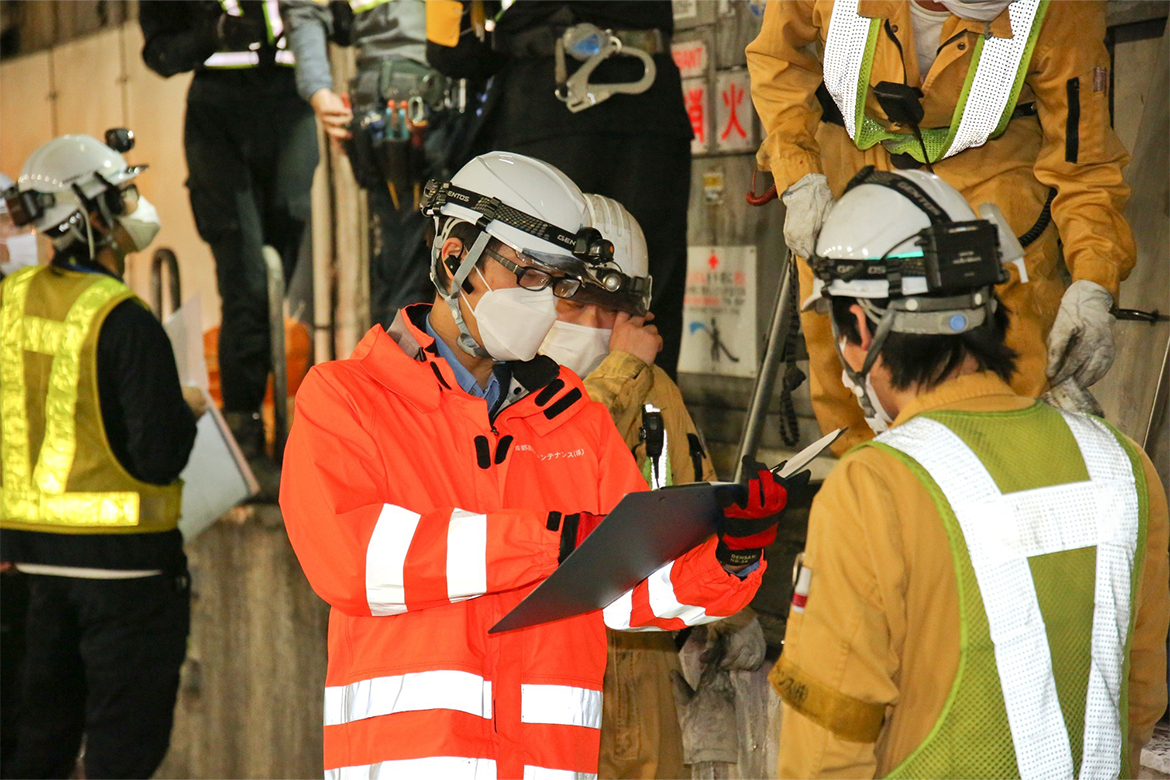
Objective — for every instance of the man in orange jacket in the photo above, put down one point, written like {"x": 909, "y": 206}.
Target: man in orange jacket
{"x": 1015, "y": 113}
{"x": 443, "y": 470}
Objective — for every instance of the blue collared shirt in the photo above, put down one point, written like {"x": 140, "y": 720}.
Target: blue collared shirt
{"x": 501, "y": 374}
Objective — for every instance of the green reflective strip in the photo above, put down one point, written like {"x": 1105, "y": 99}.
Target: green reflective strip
{"x": 60, "y": 443}
{"x": 14, "y": 447}
{"x": 646, "y": 474}
{"x": 42, "y": 335}
{"x": 1022, "y": 71}
{"x": 87, "y": 509}
{"x": 860, "y": 129}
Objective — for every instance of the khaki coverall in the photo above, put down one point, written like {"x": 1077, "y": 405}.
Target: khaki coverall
{"x": 640, "y": 734}
{"x": 1082, "y": 158}
{"x": 881, "y": 624}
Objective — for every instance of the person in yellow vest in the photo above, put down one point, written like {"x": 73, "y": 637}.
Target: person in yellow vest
{"x": 1015, "y": 112}
{"x": 94, "y": 431}
{"x": 606, "y": 338}
{"x": 985, "y": 591}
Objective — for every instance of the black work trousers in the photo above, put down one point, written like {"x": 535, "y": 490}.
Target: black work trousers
{"x": 399, "y": 258}
{"x": 101, "y": 661}
{"x": 649, "y": 175}
{"x": 250, "y": 161}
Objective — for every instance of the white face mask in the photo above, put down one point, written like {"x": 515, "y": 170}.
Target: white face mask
{"x": 578, "y": 348}
{"x": 976, "y": 10}
{"x": 22, "y": 253}
{"x": 513, "y": 321}
{"x": 881, "y": 421}
{"x": 141, "y": 225}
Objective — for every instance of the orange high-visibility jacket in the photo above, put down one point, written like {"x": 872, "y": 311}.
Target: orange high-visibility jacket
{"x": 423, "y": 522}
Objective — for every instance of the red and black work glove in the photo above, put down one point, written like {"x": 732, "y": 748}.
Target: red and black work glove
{"x": 574, "y": 528}
{"x": 750, "y": 515}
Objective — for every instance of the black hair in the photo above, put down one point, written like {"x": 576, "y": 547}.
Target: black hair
{"x": 925, "y": 360}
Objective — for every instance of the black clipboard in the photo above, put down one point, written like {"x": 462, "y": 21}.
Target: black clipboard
{"x": 643, "y": 532}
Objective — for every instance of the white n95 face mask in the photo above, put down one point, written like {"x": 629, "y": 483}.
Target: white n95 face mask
{"x": 976, "y": 10}
{"x": 513, "y": 321}
{"x": 22, "y": 253}
{"x": 141, "y": 225}
{"x": 881, "y": 421}
{"x": 578, "y": 348}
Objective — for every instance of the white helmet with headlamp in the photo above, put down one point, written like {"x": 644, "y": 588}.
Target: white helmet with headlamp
{"x": 623, "y": 284}
{"x": 909, "y": 249}
{"x": 73, "y": 176}
{"x": 540, "y": 213}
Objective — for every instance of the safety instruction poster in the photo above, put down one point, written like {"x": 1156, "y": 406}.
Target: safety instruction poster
{"x": 719, "y": 311}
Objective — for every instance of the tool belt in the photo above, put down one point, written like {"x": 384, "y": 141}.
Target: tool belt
{"x": 394, "y": 103}
{"x": 591, "y": 45}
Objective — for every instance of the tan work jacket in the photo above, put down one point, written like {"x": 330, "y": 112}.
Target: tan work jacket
{"x": 625, "y": 385}
{"x": 1076, "y": 151}
{"x": 881, "y": 623}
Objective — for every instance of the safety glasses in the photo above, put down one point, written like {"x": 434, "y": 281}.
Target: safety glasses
{"x": 535, "y": 279}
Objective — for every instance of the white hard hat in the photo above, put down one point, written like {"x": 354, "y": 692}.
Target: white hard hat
{"x": 53, "y": 170}
{"x": 623, "y": 283}
{"x": 529, "y": 186}
{"x": 623, "y": 231}
{"x": 873, "y": 221}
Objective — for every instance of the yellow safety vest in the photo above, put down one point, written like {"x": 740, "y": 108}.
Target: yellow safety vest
{"x": 49, "y": 323}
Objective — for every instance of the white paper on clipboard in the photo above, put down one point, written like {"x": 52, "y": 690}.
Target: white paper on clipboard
{"x": 217, "y": 476}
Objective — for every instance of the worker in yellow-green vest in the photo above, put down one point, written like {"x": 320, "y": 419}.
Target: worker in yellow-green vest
{"x": 984, "y": 591}
{"x": 251, "y": 145}
{"x": 1011, "y": 100}
{"x": 94, "y": 432}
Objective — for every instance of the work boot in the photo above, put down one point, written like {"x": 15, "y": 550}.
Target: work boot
{"x": 248, "y": 429}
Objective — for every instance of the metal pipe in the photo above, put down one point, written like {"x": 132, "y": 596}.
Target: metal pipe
{"x": 279, "y": 360}
{"x": 165, "y": 256}
{"x": 766, "y": 378}
{"x": 1160, "y": 395}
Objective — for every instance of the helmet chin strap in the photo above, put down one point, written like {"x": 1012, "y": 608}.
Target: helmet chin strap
{"x": 467, "y": 342}
{"x": 871, "y": 356}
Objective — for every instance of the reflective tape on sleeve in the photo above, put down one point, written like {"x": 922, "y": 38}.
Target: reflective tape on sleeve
{"x": 431, "y": 768}
{"x": 543, "y": 773}
{"x": 386, "y": 558}
{"x": 562, "y": 705}
{"x": 466, "y": 556}
{"x": 666, "y": 606}
{"x": 442, "y": 689}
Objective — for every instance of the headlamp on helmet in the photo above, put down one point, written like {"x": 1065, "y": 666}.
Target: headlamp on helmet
{"x": 586, "y": 244}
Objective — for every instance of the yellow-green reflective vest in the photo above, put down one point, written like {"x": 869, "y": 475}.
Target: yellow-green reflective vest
{"x": 1047, "y": 541}
{"x": 57, "y": 472}
{"x": 984, "y": 108}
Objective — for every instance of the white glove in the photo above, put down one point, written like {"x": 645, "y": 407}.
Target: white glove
{"x": 1081, "y": 342}
{"x": 807, "y": 203}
